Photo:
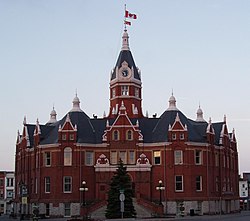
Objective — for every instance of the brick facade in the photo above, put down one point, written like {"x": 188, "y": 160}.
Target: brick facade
{"x": 197, "y": 161}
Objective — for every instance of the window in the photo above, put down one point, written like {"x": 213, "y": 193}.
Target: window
{"x": 9, "y": 193}
{"x": 198, "y": 182}
{"x": 64, "y": 137}
{"x": 47, "y": 184}
{"x": 67, "y": 184}
{"x": 113, "y": 157}
{"x": 115, "y": 135}
{"x": 67, "y": 211}
{"x": 178, "y": 158}
{"x": 47, "y": 159}
{"x": 113, "y": 92}
{"x": 157, "y": 157}
{"x": 129, "y": 135}
{"x": 71, "y": 137}
{"x": 123, "y": 156}
{"x": 173, "y": 136}
{"x": 216, "y": 159}
{"x": 47, "y": 210}
{"x": 1, "y": 194}
{"x": 198, "y": 157}
{"x": 67, "y": 156}
{"x": 36, "y": 185}
{"x": 136, "y": 92}
{"x": 89, "y": 158}
{"x": 217, "y": 184}
{"x": 125, "y": 90}
{"x": 178, "y": 183}
{"x": 37, "y": 163}
{"x": 10, "y": 182}
{"x": 181, "y": 136}
{"x": 1, "y": 182}
{"x": 131, "y": 157}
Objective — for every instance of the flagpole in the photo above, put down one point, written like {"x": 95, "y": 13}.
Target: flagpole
{"x": 125, "y": 25}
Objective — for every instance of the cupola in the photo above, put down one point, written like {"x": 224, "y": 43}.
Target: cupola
{"x": 172, "y": 103}
{"x": 76, "y": 105}
{"x": 199, "y": 114}
{"x": 52, "y": 116}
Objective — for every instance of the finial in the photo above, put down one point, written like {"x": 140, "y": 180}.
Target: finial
{"x": 225, "y": 118}
{"x": 24, "y": 120}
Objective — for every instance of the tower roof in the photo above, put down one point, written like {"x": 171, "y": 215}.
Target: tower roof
{"x": 126, "y": 55}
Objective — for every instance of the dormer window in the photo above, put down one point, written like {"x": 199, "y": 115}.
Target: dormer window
{"x": 71, "y": 137}
{"x": 124, "y": 91}
{"x": 116, "y": 135}
{"x": 181, "y": 136}
{"x": 174, "y": 136}
{"x": 64, "y": 137}
{"x": 129, "y": 135}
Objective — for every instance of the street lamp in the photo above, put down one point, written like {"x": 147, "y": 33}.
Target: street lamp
{"x": 82, "y": 190}
{"x": 160, "y": 187}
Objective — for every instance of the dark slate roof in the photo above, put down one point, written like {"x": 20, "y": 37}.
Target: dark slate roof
{"x": 152, "y": 129}
{"x": 126, "y": 55}
{"x": 217, "y": 129}
{"x": 196, "y": 130}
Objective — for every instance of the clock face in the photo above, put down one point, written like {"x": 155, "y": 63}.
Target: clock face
{"x": 125, "y": 73}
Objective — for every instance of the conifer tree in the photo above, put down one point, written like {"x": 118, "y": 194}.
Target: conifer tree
{"x": 120, "y": 182}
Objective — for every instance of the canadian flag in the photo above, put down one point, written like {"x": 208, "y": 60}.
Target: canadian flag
{"x": 127, "y": 22}
{"x": 130, "y": 15}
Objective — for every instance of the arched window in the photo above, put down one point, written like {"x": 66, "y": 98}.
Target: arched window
{"x": 67, "y": 156}
{"x": 129, "y": 135}
{"x": 116, "y": 135}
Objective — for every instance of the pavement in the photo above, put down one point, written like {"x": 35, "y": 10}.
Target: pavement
{"x": 233, "y": 217}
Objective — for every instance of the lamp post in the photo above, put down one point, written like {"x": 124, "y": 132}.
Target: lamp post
{"x": 160, "y": 187}
{"x": 82, "y": 190}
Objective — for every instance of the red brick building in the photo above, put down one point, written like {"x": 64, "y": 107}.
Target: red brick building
{"x": 197, "y": 161}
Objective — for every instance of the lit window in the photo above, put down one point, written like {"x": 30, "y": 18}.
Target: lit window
{"x": 113, "y": 157}
{"x": 67, "y": 184}
{"x": 198, "y": 183}
{"x": 67, "y": 156}
{"x": 198, "y": 157}
{"x": 131, "y": 158}
{"x": 157, "y": 157}
{"x": 89, "y": 158}
{"x": 122, "y": 156}
{"x": 47, "y": 159}
{"x": 178, "y": 158}
{"x": 129, "y": 135}
{"x": 115, "y": 135}
{"x": 178, "y": 183}
{"x": 125, "y": 90}
{"x": 47, "y": 184}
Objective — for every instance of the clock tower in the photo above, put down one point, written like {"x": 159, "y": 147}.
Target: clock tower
{"x": 125, "y": 83}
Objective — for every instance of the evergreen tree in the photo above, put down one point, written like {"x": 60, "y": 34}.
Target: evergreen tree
{"x": 120, "y": 182}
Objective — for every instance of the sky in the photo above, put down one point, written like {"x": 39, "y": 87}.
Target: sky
{"x": 49, "y": 49}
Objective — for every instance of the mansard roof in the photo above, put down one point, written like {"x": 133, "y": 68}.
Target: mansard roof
{"x": 91, "y": 130}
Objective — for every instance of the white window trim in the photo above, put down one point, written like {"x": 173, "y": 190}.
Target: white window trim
{"x": 182, "y": 183}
